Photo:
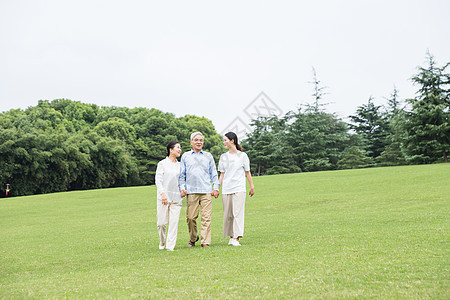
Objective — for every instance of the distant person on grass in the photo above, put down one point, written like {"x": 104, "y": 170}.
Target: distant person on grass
{"x": 169, "y": 200}
{"x": 197, "y": 173}
{"x": 234, "y": 166}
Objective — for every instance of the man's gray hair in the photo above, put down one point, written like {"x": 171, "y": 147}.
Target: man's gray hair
{"x": 196, "y": 133}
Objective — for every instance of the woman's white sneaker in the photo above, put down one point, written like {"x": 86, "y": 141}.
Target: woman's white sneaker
{"x": 235, "y": 242}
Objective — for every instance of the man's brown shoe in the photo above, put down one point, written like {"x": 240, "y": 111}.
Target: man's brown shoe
{"x": 192, "y": 244}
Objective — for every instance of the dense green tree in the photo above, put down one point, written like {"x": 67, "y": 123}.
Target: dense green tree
{"x": 427, "y": 122}
{"x": 393, "y": 153}
{"x": 257, "y": 145}
{"x": 355, "y": 158}
{"x": 317, "y": 139}
{"x": 300, "y": 141}
{"x": 78, "y": 115}
{"x": 370, "y": 124}
{"x": 112, "y": 163}
{"x": 117, "y": 128}
{"x": 266, "y": 147}
{"x": 63, "y": 145}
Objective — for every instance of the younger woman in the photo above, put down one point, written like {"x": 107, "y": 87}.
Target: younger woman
{"x": 234, "y": 166}
{"x": 168, "y": 196}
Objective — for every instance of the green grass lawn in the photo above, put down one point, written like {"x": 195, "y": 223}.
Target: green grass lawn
{"x": 369, "y": 233}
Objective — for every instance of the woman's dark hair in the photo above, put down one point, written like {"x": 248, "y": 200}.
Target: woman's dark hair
{"x": 233, "y": 137}
{"x": 171, "y": 145}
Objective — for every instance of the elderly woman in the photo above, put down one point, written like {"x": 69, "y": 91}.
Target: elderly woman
{"x": 234, "y": 167}
{"x": 169, "y": 200}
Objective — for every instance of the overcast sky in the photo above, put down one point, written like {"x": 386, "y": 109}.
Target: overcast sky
{"x": 212, "y": 58}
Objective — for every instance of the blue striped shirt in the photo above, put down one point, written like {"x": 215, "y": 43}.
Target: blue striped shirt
{"x": 197, "y": 173}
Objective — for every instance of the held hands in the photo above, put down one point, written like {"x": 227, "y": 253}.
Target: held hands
{"x": 183, "y": 193}
{"x": 164, "y": 199}
{"x": 215, "y": 193}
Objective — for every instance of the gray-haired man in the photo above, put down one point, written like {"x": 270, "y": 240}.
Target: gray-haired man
{"x": 199, "y": 181}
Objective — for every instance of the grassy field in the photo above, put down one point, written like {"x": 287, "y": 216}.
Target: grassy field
{"x": 369, "y": 233}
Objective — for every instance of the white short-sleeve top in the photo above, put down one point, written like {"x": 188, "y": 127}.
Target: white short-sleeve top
{"x": 234, "y": 166}
{"x": 166, "y": 179}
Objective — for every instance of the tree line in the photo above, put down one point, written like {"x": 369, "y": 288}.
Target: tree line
{"x": 414, "y": 131}
{"x": 63, "y": 145}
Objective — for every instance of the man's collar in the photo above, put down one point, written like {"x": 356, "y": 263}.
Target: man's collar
{"x": 192, "y": 151}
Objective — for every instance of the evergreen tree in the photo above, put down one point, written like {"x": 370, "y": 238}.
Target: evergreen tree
{"x": 371, "y": 126}
{"x": 393, "y": 153}
{"x": 318, "y": 93}
{"x": 355, "y": 158}
{"x": 427, "y": 122}
{"x": 266, "y": 148}
{"x": 317, "y": 139}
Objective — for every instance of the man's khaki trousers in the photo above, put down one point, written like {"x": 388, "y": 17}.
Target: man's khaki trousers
{"x": 205, "y": 203}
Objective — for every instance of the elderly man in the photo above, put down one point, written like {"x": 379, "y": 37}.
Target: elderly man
{"x": 199, "y": 181}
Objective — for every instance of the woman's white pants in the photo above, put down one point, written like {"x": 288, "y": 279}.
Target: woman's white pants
{"x": 233, "y": 214}
{"x": 168, "y": 215}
